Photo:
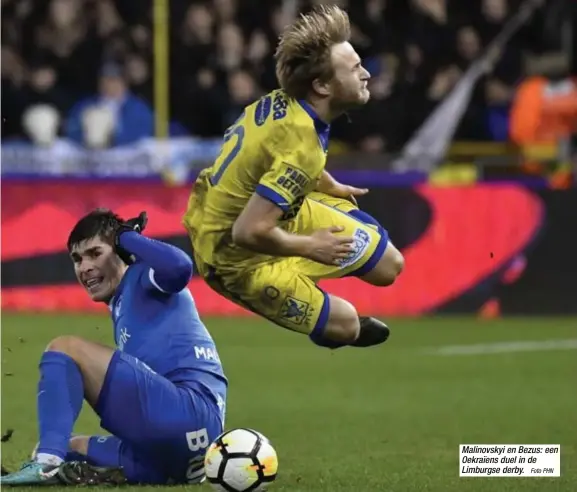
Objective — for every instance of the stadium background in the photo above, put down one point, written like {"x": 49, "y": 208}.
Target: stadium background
{"x": 119, "y": 103}
{"x": 168, "y": 77}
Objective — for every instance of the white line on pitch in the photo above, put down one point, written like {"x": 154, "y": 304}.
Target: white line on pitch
{"x": 505, "y": 347}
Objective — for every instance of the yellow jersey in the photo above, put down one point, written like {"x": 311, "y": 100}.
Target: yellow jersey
{"x": 276, "y": 148}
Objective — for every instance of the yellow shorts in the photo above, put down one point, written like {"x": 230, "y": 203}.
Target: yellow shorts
{"x": 284, "y": 290}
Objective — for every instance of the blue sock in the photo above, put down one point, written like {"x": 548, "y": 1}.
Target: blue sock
{"x": 60, "y": 397}
{"x": 317, "y": 335}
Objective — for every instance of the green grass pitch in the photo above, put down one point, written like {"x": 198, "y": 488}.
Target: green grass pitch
{"x": 383, "y": 419}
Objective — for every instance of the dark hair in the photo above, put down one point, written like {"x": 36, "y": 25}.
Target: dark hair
{"x": 101, "y": 222}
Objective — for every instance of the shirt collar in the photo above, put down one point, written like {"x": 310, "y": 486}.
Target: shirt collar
{"x": 321, "y": 127}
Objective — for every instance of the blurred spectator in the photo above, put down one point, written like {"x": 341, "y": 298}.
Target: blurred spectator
{"x": 137, "y": 72}
{"x": 108, "y": 19}
{"x": 230, "y": 47}
{"x": 67, "y": 38}
{"x": 468, "y": 46}
{"x": 242, "y": 91}
{"x": 226, "y": 10}
{"x": 98, "y": 126}
{"x": 432, "y": 29}
{"x": 140, "y": 37}
{"x": 132, "y": 118}
{"x": 494, "y": 13}
{"x": 443, "y": 81}
{"x": 544, "y": 110}
{"x": 43, "y": 88}
{"x": 498, "y": 96}
{"x": 13, "y": 97}
{"x": 260, "y": 57}
{"x": 197, "y": 38}
{"x": 41, "y": 123}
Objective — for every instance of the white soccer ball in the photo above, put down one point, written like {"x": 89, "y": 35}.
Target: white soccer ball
{"x": 240, "y": 460}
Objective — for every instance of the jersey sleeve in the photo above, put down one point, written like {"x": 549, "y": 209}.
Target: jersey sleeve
{"x": 292, "y": 175}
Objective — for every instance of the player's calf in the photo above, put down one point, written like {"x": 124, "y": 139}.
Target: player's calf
{"x": 71, "y": 369}
{"x": 343, "y": 325}
{"x": 388, "y": 268}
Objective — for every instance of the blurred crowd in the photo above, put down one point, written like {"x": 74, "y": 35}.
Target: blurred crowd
{"x": 81, "y": 64}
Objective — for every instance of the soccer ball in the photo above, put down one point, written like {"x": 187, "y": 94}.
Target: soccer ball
{"x": 240, "y": 460}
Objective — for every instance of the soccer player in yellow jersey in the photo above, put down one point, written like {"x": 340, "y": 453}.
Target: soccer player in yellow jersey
{"x": 267, "y": 221}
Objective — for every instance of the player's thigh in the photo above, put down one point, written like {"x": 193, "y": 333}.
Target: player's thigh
{"x": 110, "y": 451}
{"x": 92, "y": 358}
{"x": 370, "y": 239}
{"x": 340, "y": 203}
{"x": 141, "y": 407}
{"x": 391, "y": 262}
{"x": 279, "y": 292}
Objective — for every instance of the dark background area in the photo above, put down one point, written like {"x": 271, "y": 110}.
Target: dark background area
{"x": 221, "y": 59}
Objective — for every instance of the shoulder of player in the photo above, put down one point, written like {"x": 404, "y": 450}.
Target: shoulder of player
{"x": 291, "y": 122}
{"x": 137, "y": 266}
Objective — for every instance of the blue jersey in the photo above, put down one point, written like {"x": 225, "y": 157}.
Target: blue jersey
{"x": 165, "y": 332}
{"x": 164, "y": 394}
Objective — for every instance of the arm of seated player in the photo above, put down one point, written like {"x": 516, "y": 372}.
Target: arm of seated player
{"x": 329, "y": 185}
{"x": 256, "y": 228}
{"x": 170, "y": 267}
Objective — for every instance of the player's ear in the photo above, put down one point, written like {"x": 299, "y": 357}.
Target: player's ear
{"x": 322, "y": 87}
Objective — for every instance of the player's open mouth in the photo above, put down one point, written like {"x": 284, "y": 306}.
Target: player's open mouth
{"x": 93, "y": 283}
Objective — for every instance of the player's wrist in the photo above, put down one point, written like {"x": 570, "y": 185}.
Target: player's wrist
{"x": 120, "y": 247}
{"x": 304, "y": 246}
{"x": 119, "y": 233}
{"x": 326, "y": 183}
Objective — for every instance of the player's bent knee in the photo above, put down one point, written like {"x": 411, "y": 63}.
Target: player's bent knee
{"x": 75, "y": 347}
{"x": 387, "y": 269}
{"x": 67, "y": 344}
{"x": 343, "y": 324}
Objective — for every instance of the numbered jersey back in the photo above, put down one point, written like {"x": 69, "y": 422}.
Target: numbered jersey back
{"x": 272, "y": 149}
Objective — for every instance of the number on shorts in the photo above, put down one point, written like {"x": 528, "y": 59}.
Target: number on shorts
{"x": 197, "y": 440}
{"x": 235, "y": 130}
{"x": 195, "y": 470}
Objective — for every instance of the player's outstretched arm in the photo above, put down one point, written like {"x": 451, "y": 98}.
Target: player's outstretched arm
{"x": 256, "y": 228}
{"x": 170, "y": 267}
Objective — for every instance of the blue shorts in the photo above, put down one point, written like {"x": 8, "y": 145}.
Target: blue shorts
{"x": 160, "y": 429}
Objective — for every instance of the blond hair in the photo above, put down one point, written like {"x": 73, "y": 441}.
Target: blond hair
{"x": 304, "y": 50}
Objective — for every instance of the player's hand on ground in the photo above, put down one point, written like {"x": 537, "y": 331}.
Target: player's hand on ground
{"x": 329, "y": 248}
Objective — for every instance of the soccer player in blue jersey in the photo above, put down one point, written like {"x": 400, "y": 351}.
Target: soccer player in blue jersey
{"x": 160, "y": 394}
